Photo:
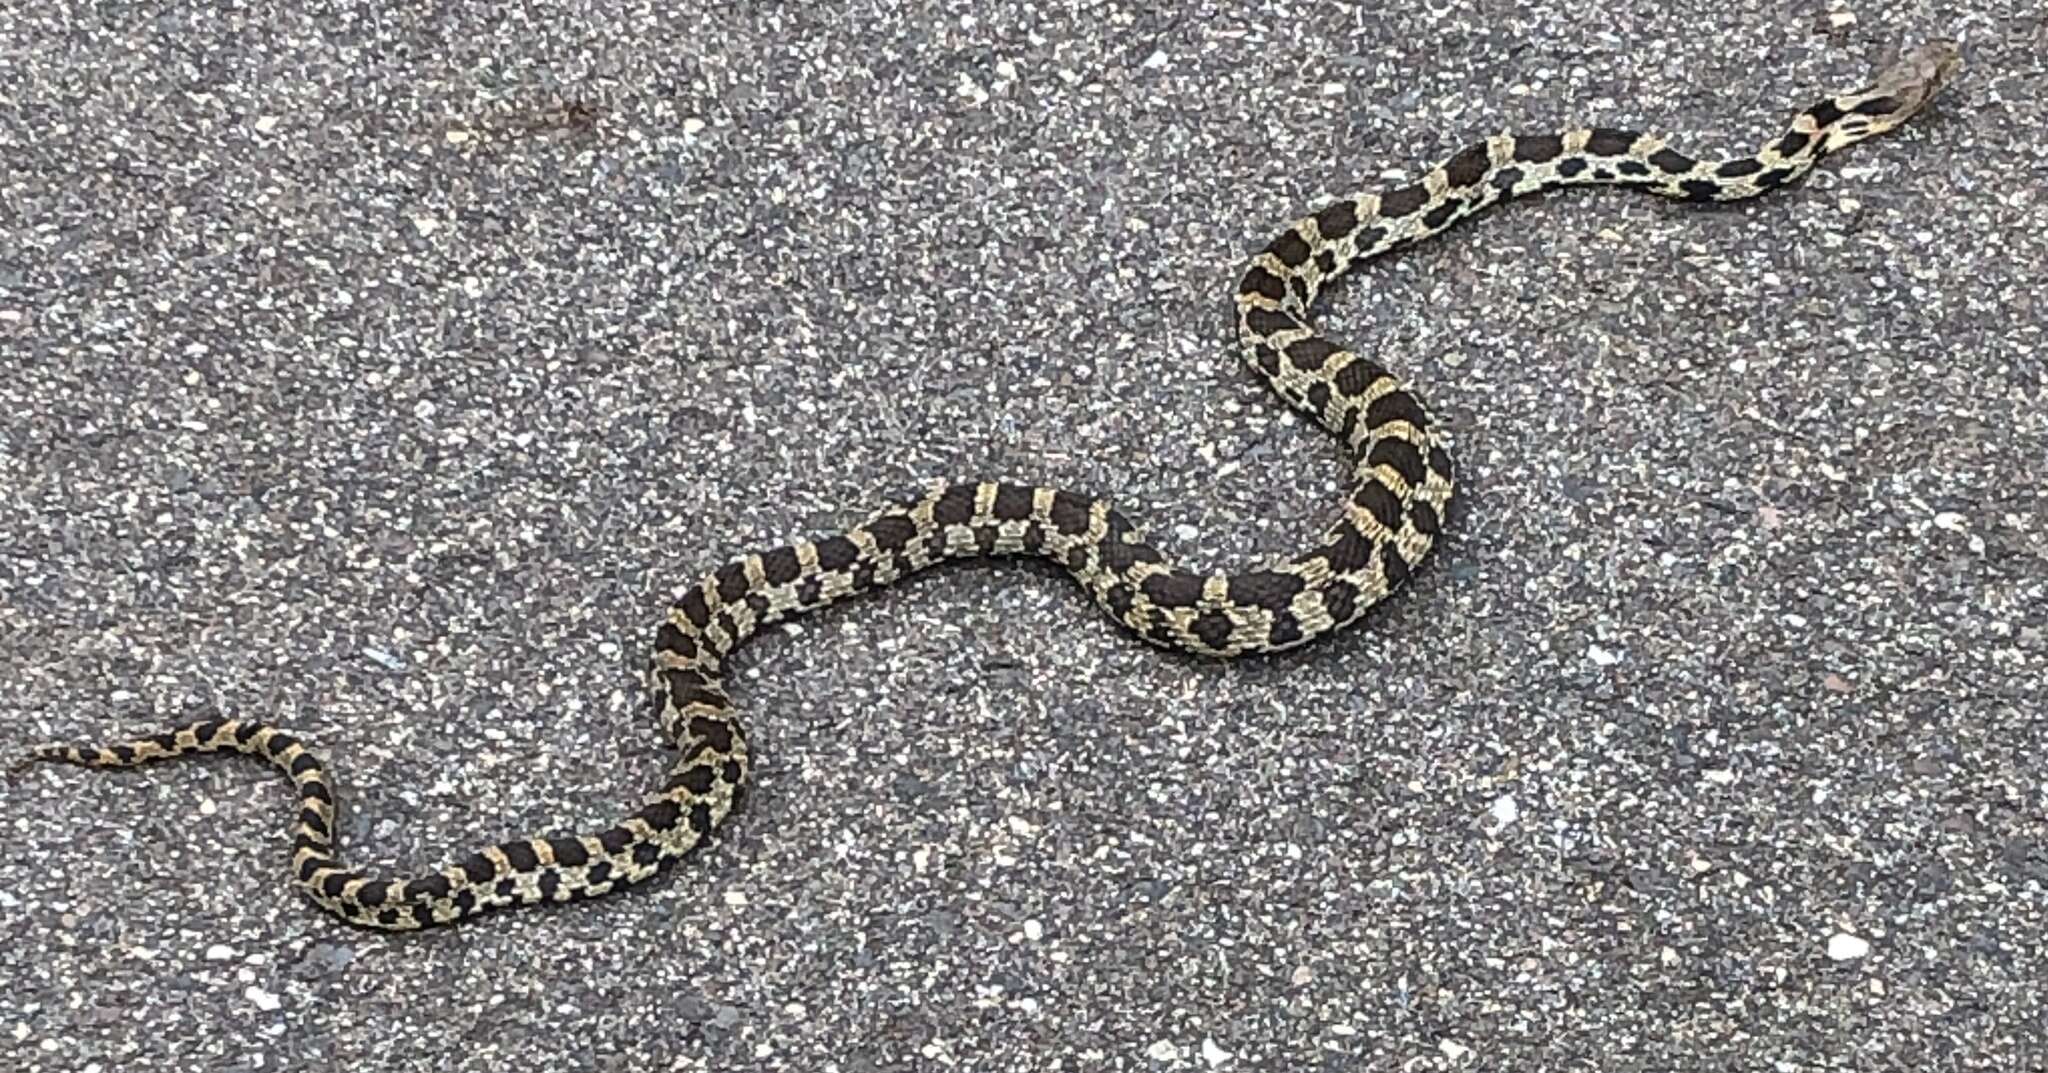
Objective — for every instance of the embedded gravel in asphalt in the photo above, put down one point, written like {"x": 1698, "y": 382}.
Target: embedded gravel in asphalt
{"x": 383, "y": 374}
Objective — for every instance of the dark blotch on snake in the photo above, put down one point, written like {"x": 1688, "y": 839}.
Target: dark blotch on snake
{"x": 697, "y": 780}
{"x": 1261, "y": 282}
{"x": 700, "y": 818}
{"x": 1213, "y": 628}
{"x": 1270, "y": 321}
{"x": 686, "y": 694}
{"x": 435, "y": 886}
{"x": 1340, "y": 598}
{"x": 1070, "y": 513}
{"x": 1402, "y": 456}
{"x": 780, "y": 566}
{"x": 1318, "y": 396}
{"x": 1273, "y": 590}
{"x": 569, "y": 851}
{"x": 1671, "y": 161}
{"x": 836, "y": 553}
{"x": 660, "y": 815}
{"x": 1337, "y": 219}
{"x": 1379, "y": 501}
{"x": 1403, "y": 201}
{"x": 1290, "y": 248}
{"x": 520, "y": 855}
{"x": 694, "y": 607}
{"x": 1348, "y": 551}
{"x": 1285, "y": 630}
{"x": 1012, "y": 503}
{"x": 671, "y": 639}
{"x": 716, "y": 733}
{"x": 1172, "y": 590}
{"x": 891, "y": 531}
{"x": 1396, "y": 406}
{"x": 1469, "y": 166}
{"x": 732, "y": 581}
{"x": 1309, "y": 354}
{"x": 1443, "y": 213}
{"x": 1355, "y": 377}
{"x": 955, "y": 506}
{"x": 1538, "y": 148}
{"x": 1606, "y": 141}
{"x": 1392, "y": 565}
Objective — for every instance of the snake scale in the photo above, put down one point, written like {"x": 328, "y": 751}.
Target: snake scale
{"x": 1401, "y": 487}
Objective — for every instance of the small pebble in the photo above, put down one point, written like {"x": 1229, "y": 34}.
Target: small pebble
{"x": 1843, "y": 946}
{"x": 1504, "y": 810}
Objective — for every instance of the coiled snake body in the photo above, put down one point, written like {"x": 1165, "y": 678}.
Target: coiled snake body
{"x": 1402, "y": 482}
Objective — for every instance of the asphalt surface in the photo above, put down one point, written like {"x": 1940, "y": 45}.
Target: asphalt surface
{"x": 384, "y": 373}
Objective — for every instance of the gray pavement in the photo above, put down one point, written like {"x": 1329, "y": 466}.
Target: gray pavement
{"x": 383, "y": 373}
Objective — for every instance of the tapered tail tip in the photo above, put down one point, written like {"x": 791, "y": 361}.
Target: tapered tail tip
{"x": 30, "y": 757}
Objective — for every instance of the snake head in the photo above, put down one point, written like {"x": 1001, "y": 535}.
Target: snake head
{"x": 1901, "y": 89}
{"x": 1906, "y": 84}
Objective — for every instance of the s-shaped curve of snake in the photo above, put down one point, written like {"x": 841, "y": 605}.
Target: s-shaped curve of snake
{"x": 1401, "y": 485}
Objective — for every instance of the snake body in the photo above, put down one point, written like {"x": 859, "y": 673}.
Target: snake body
{"x": 1401, "y": 487}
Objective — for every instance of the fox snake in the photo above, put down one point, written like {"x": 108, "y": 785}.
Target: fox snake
{"x": 1401, "y": 488}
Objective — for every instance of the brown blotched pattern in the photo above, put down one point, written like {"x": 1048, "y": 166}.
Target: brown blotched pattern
{"x": 1401, "y": 488}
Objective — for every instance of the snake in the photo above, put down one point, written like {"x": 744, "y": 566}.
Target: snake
{"x": 1393, "y": 513}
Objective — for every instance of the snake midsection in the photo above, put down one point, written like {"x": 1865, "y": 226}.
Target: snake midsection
{"x": 1402, "y": 483}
